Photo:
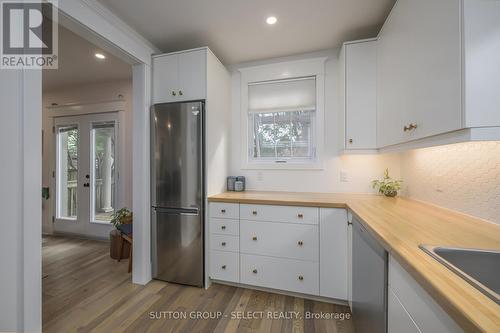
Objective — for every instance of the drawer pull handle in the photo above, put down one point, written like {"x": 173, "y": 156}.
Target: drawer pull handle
{"x": 223, "y": 266}
{"x": 223, "y": 211}
{"x": 223, "y": 243}
{"x": 300, "y": 243}
{"x": 254, "y": 271}
{"x": 223, "y": 227}
{"x": 300, "y": 216}
{"x": 254, "y": 212}
{"x": 301, "y": 278}
{"x": 254, "y": 238}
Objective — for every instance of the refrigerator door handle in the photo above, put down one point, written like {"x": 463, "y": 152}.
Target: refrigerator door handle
{"x": 178, "y": 211}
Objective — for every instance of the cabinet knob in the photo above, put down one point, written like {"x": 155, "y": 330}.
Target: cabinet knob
{"x": 301, "y": 278}
{"x": 300, "y": 243}
{"x": 410, "y": 127}
{"x": 223, "y": 266}
{"x": 180, "y": 92}
{"x": 254, "y": 212}
{"x": 254, "y": 238}
{"x": 223, "y": 211}
{"x": 223, "y": 243}
{"x": 300, "y": 215}
{"x": 255, "y": 271}
{"x": 223, "y": 227}
{"x": 173, "y": 93}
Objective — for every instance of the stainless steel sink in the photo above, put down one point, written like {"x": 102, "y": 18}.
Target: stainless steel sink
{"x": 481, "y": 268}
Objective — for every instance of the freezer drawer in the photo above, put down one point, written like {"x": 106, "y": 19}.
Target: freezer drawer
{"x": 177, "y": 249}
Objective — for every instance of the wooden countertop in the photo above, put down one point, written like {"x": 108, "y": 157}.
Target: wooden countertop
{"x": 401, "y": 225}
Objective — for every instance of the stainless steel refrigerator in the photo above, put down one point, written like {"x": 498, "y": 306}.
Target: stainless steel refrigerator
{"x": 177, "y": 186}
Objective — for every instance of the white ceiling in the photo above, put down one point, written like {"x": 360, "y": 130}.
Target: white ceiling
{"x": 236, "y": 30}
{"x": 78, "y": 64}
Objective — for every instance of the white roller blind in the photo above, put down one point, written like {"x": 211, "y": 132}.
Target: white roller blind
{"x": 282, "y": 95}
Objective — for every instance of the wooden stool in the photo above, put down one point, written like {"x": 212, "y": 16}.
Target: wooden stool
{"x": 128, "y": 239}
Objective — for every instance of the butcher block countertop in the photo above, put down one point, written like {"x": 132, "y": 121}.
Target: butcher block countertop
{"x": 401, "y": 225}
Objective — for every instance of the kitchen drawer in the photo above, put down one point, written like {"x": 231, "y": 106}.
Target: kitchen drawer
{"x": 225, "y": 243}
{"x": 285, "y": 240}
{"x": 398, "y": 320}
{"x": 278, "y": 273}
{"x": 225, "y": 266}
{"x": 423, "y": 309}
{"x": 224, "y": 226}
{"x": 224, "y": 210}
{"x": 290, "y": 214}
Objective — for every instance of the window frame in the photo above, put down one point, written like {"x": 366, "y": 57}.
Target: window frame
{"x": 312, "y": 67}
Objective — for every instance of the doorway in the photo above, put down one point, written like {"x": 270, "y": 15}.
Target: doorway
{"x": 86, "y": 173}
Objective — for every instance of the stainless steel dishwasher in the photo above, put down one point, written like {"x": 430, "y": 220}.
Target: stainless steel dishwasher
{"x": 369, "y": 282}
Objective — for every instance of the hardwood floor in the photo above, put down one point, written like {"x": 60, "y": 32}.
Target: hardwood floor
{"x": 84, "y": 290}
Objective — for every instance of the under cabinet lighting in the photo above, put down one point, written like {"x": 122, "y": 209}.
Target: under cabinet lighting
{"x": 100, "y": 56}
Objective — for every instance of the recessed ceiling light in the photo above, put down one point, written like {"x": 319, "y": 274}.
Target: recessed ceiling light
{"x": 271, "y": 20}
{"x": 100, "y": 56}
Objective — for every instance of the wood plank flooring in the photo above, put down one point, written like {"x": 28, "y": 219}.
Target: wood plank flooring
{"x": 84, "y": 290}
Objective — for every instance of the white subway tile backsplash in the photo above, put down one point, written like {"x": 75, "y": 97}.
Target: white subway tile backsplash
{"x": 464, "y": 177}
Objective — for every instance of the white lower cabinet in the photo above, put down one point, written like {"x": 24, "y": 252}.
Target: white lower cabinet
{"x": 284, "y": 240}
{"x": 225, "y": 266}
{"x": 398, "y": 319}
{"x": 425, "y": 313}
{"x": 333, "y": 253}
{"x": 296, "y": 249}
{"x": 279, "y": 273}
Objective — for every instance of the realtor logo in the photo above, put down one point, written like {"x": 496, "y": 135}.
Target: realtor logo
{"x": 29, "y": 36}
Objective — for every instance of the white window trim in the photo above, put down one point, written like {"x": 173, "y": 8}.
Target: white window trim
{"x": 278, "y": 71}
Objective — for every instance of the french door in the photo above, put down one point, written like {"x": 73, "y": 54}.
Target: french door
{"x": 86, "y": 173}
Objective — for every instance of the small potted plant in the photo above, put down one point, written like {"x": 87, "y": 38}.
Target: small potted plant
{"x": 121, "y": 216}
{"x": 122, "y": 221}
{"x": 387, "y": 186}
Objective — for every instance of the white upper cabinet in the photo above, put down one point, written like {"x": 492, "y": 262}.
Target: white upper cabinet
{"x": 360, "y": 95}
{"x": 438, "y": 73}
{"x": 419, "y": 71}
{"x": 180, "y": 76}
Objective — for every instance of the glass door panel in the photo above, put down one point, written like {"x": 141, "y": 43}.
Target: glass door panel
{"x": 103, "y": 171}
{"x": 67, "y": 172}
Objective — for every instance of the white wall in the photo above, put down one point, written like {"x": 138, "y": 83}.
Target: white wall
{"x": 89, "y": 93}
{"x": 464, "y": 177}
{"x": 20, "y": 236}
{"x": 361, "y": 169}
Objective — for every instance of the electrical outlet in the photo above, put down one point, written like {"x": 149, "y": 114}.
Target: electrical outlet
{"x": 344, "y": 176}
{"x": 260, "y": 176}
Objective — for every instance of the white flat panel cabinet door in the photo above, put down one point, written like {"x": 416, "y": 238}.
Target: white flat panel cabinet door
{"x": 419, "y": 71}
{"x": 349, "y": 259}
{"x": 192, "y": 75}
{"x": 333, "y": 253}
{"x": 398, "y": 320}
{"x": 361, "y": 95}
{"x": 165, "y": 78}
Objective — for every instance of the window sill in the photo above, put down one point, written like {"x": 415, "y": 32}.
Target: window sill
{"x": 282, "y": 166}
{"x": 101, "y": 222}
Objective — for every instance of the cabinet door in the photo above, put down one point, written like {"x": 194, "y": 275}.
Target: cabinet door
{"x": 419, "y": 70}
{"x": 192, "y": 75}
{"x": 398, "y": 320}
{"x": 361, "y": 95}
{"x": 333, "y": 253}
{"x": 165, "y": 79}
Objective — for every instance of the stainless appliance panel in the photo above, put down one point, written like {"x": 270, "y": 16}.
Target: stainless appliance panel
{"x": 177, "y": 246}
{"x": 369, "y": 282}
{"x": 177, "y": 155}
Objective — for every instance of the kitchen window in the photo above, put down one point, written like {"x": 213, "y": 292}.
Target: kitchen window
{"x": 282, "y": 121}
